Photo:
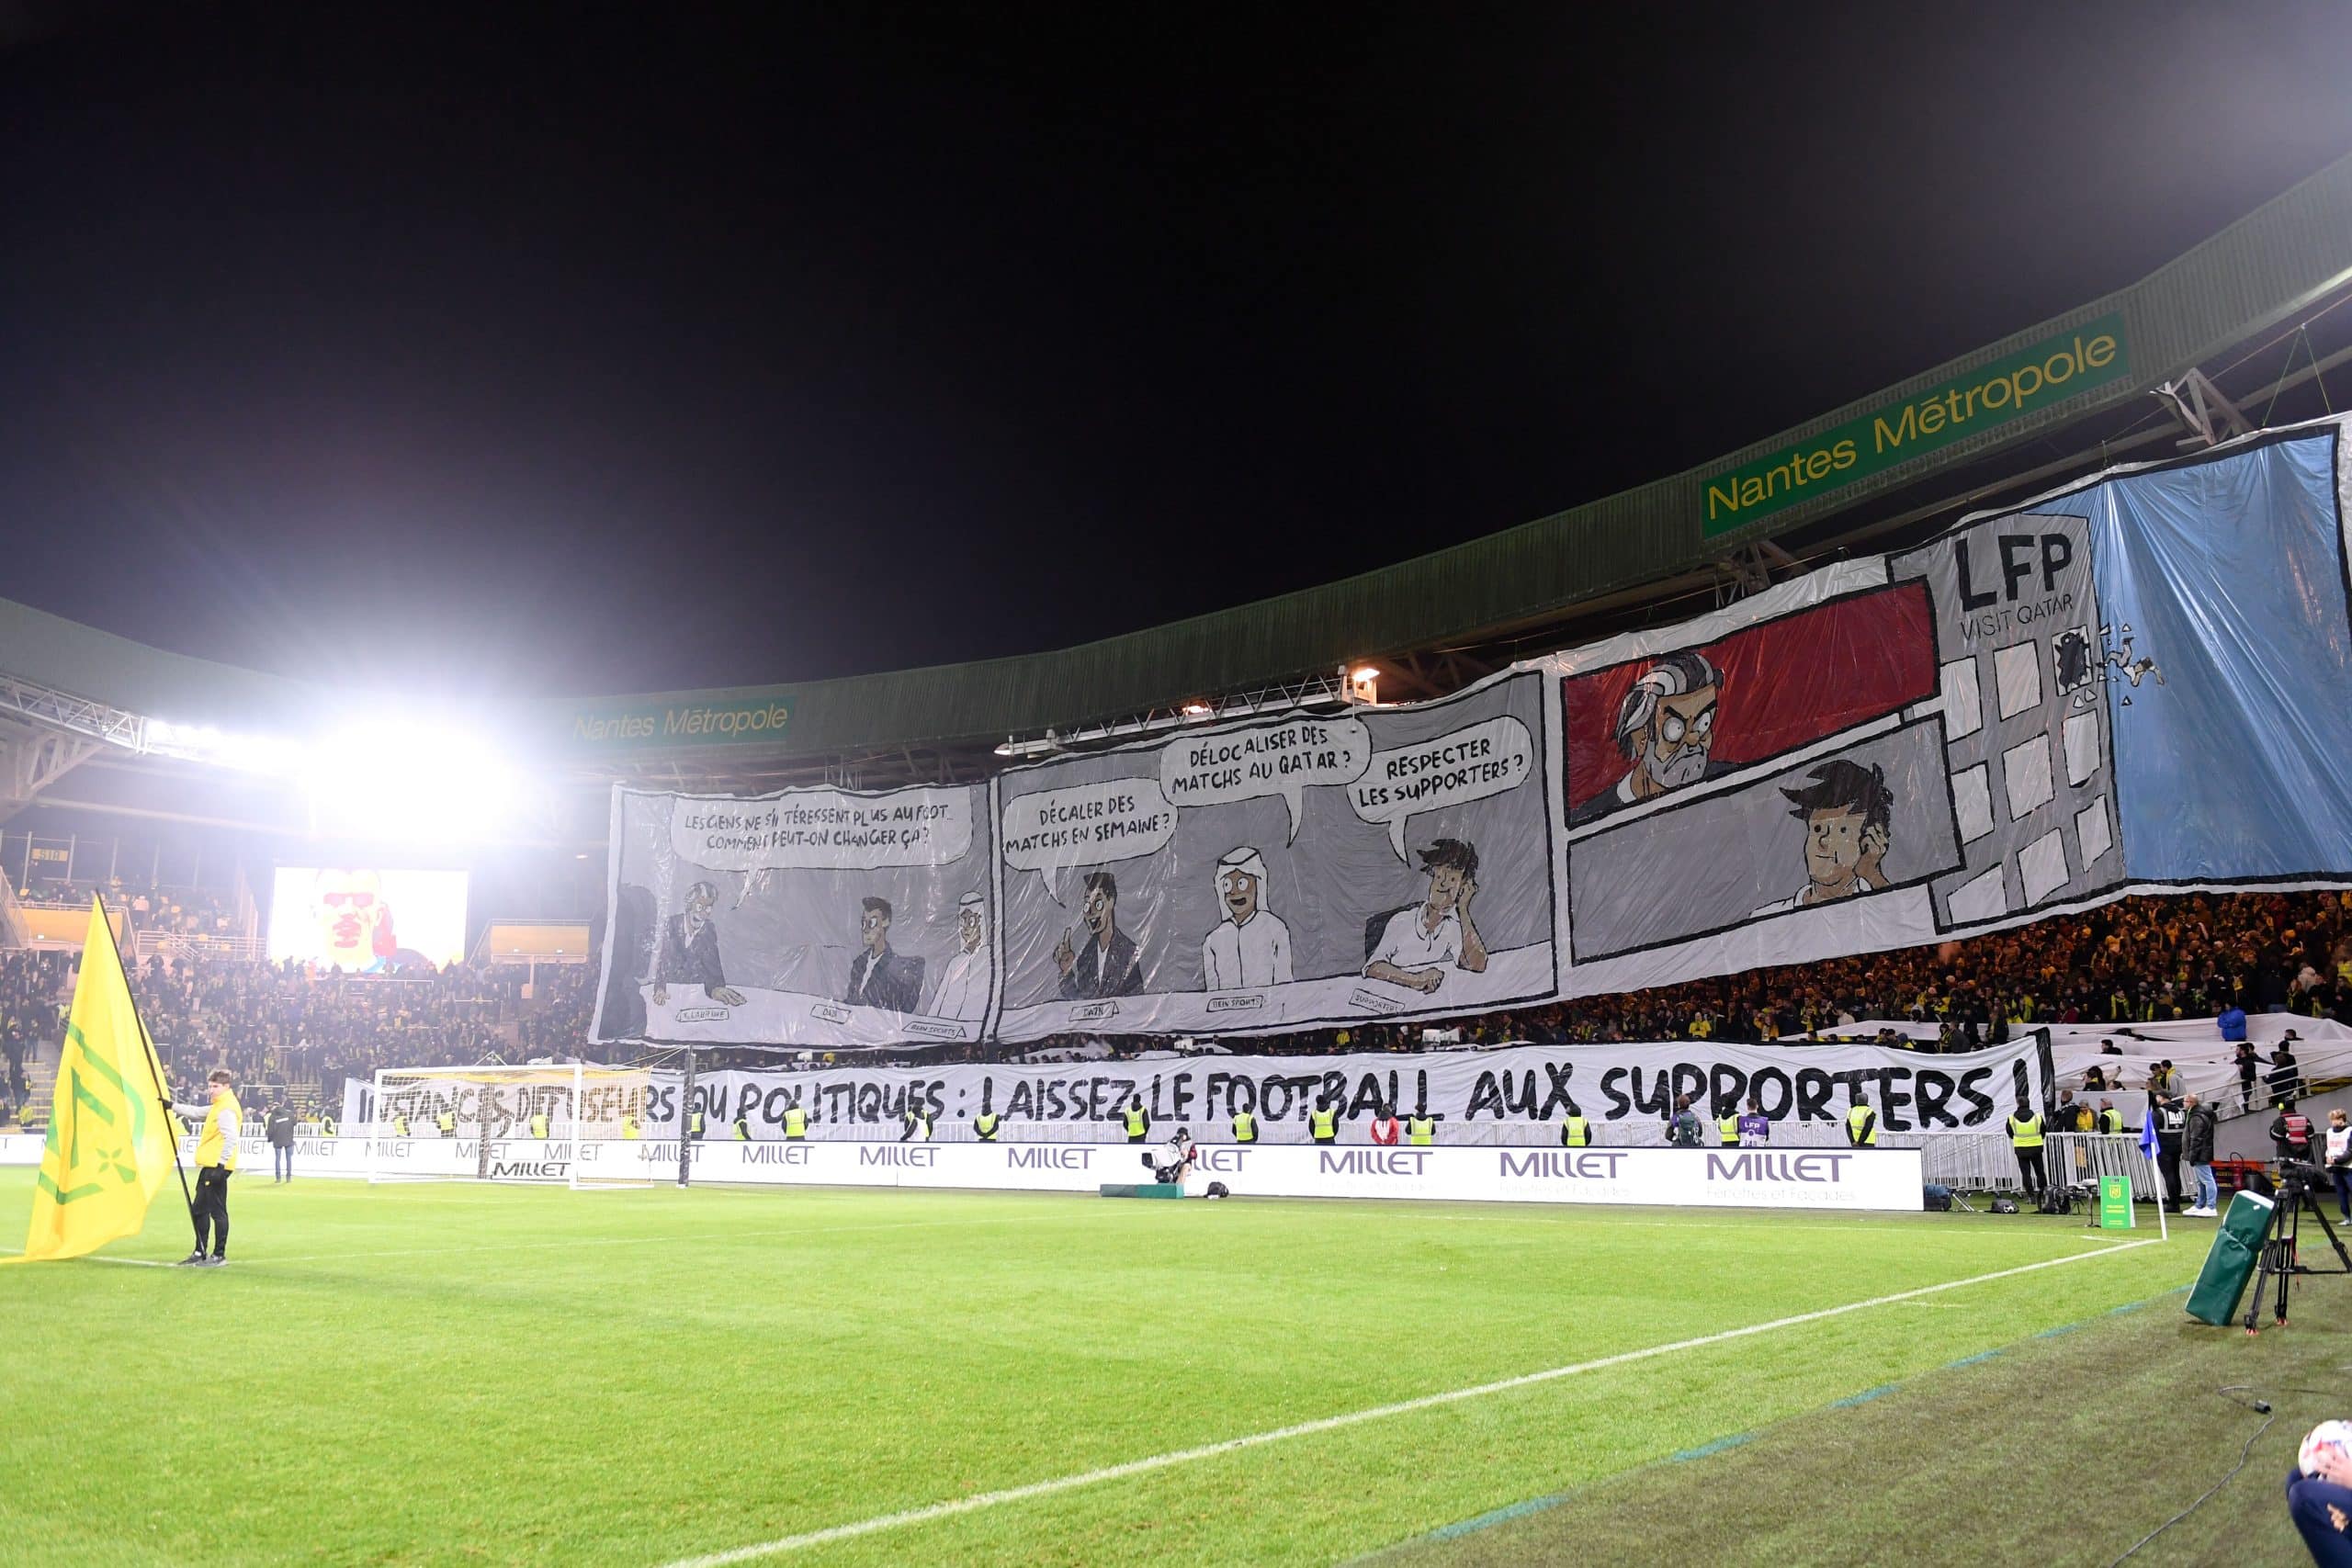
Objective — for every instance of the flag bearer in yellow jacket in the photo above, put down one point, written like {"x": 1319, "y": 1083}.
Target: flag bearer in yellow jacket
{"x": 216, "y": 1156}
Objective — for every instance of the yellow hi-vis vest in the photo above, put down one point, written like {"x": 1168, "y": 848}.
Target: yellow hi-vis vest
{"x": 2026, "y": 1133}
{"x": 1245, "y": 1127}
{"x": 2111, "y": 1121}
{"x": 1862, "y": 1127}
{"x": 1421, "y": 1130}
{"x": 796, "y": 1125}
{"x": 1138, "y": 1124}
{"x": 1575, "y": 1132}
{"x": 213, "y": 1147}
{"x": 694, "y": 1126}
{"x": 1323, "y": 1125}
{"x": 985, "y": 1124}
{"x": 327, "y": 1127}
{"x": 399, "y": 1126}
{"x": 629, "y": 1126}
{"x": 1727, "y": 1129}
{"x": 743, "y": 1128}
{"x": 540, "y": 1125}
{"x": 448, "y": 1122}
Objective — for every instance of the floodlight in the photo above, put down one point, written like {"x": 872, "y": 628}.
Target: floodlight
{"x": 406, "y": 779}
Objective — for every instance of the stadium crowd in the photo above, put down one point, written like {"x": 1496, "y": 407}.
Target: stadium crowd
{"x": 2139, "y": 960}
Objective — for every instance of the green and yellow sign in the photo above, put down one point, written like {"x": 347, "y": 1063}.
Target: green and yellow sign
{"x": 2090, "y": 355}
{"x": 2115, "y": 1203}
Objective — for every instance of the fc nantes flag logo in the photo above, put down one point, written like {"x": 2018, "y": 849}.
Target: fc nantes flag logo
{"x": 109, "y": 1142}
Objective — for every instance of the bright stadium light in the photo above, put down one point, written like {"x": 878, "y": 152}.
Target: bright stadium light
{"x": 246, "y": 753}
{"x": 404, "y": 779}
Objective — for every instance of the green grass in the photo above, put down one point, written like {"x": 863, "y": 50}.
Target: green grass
{"x": 453, "y": 1373}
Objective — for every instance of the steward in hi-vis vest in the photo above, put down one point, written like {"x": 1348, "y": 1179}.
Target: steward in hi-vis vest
{"x": 448, "y": 1122}
{"x": 1861, "y": 1125}
{"x": 1575, "y": 1132}
{"x": 917, "y": 1125}
{"x": 743, "y": 1127}
{"x": 399, "y": 1126}
{"x": 1323, "y": 1125}
{"x": 985, "y": 1124}
{"x": 2025, "y": 1140}
{"x": 540, "y": 1125}
{"x": 1421, "y": 1131}
{"x": 328, "y": 1127}
{"x": 1245, "y": 1127}
{"x": 796, "y": 1122}
{"x": 628, "y": 1127}
{"x": 693, "y": 1126}
{"x": 1727, "y": 1129}
{"x": 1138, "y": 1124}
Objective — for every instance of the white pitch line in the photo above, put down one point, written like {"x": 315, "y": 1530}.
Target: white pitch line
{"x": 1333, "y": 1423}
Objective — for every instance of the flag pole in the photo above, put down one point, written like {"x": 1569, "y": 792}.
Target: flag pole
{"x": 154, "y": 1063}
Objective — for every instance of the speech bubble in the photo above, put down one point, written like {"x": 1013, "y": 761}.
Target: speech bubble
{"x": 1055, "y": 829}
{"x": 1264, "y": 760}
{"x": 824, "y": 830}
{"x": 1454, "y": 769}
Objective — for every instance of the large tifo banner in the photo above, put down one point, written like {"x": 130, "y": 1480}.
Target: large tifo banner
{"x": 1283, "y": 873}
{"x": 819, "y": 916}
{"x": 1608, "y": 1085}
{"x": 2138, "y": 684}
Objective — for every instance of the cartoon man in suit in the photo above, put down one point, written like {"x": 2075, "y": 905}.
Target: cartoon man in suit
{"x": 689, "y": 953}
{"x": 1665, "y": 732}
{"x": 879, "y": 976}
{"x": 1107, "y": 965}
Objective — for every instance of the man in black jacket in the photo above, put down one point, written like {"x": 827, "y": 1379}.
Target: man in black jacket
{"x": 2197, "y": 1149}
{"x": 280, "y": 1126}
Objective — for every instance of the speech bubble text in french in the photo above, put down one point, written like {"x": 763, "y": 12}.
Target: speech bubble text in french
{"x": 1453, "y": 769}
{"x": 824, "y": 830}
{"x": 1055, "y": 829}
{"x": 1265, "y": 760}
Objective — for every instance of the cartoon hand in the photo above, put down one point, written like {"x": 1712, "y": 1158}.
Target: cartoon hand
{"x": 1065, "y": 956}
{"x": 1875, "y": 840}
{"x": 1430, "y": 979}
{"x": 726, "y": 996}
{"x": 1461, "y": 899}
{"x": 660, "y": 995}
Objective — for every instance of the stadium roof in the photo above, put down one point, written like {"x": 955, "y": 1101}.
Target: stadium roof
{"x": 1943, "y": 424}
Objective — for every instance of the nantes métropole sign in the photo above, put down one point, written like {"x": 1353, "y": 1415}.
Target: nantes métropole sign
{"x": 634, "y": 723}
{"x": 2088, "y": 356}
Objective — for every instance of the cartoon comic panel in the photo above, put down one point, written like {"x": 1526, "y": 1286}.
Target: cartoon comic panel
{"x": 1859, "y": 821}
{"x": 2018, "y": 635}
{"x": 1640, "y": 730}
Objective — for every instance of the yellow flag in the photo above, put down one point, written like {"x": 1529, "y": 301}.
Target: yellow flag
{"x": 109, "y": 1141}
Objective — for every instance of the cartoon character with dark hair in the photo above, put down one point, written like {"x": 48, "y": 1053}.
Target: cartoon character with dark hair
{"x": 1666, "y": 730}
{"x": 1107, "y": 965}
{"x": 1848, "y": 813}
{"x": 880, "y": 976}
{"x": 1421, "y": 941}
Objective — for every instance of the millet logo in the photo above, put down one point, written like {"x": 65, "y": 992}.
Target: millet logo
{"x": 1047, "y": 1157}
{"x": 1372, "y": 1162}
{"x": 775, "y": 1154}
{"x": 891, "y": 1154}
{"x": 1225, "y": 1160}
{"x": 530, "y": 1170}
{"x": 1562, "y": 1165}
{"x": 1761, "y": 1165}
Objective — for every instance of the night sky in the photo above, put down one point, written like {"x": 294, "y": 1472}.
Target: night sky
{"x": 501, "y": 353}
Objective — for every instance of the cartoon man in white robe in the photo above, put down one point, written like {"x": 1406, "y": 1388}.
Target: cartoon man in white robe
{"x": 1250, "y": 947}
{"x": 963, "y": 984}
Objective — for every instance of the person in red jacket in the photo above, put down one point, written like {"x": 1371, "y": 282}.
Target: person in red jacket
{"x": 1385, "y": 1129}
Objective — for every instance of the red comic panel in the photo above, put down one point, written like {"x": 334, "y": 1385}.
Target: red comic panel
{"x": 1782, "y": 684}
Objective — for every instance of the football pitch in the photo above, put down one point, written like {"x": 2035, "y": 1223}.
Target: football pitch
{"x": 469, "y": 1374}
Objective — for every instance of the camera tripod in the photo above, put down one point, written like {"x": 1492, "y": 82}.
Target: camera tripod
{"x": 2278, "y": 1258}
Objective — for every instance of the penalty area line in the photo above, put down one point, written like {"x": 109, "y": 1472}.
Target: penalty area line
{"x": 1023, "y": 1494}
